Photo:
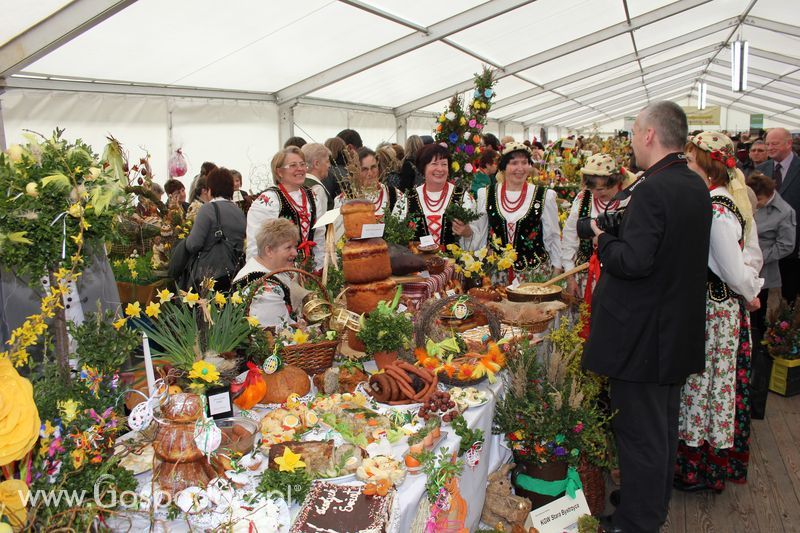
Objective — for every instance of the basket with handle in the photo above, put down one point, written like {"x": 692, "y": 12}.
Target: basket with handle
{"x": 313, "y": 357}
{"x": 428, "y": 325}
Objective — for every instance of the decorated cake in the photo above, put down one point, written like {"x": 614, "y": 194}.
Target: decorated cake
{"x": 356, "y": 213}
{"x": 329, "y": 508}
{"x": 366, "y": 260}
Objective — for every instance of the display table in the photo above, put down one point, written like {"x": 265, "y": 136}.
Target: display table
{"x": 410, "y": 493}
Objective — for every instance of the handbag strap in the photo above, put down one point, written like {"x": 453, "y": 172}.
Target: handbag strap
{"x": 218, "y": 233}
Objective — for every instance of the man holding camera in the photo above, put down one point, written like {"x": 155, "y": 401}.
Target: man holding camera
{"x": 648, "y": 317}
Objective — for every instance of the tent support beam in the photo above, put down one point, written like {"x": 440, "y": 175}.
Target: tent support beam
{"x": 405, "y": 44}
{"x": 285, "y": 122}
{"x": 619, "y": 62}
{"x": 59, "y": 28}
{"x": 624, "y": 110}
{"x": 615, "y": 92}
{"x": 610, "y": 32}
{"x": 401, "y": 127}
{"x": 772, "y": 25}
{"x": 637, "y": 75}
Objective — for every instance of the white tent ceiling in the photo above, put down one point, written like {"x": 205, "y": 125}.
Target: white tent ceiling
{"x": 571, "y": 64}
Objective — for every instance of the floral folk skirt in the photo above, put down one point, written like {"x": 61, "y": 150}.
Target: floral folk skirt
{"x": 704, "y": 463}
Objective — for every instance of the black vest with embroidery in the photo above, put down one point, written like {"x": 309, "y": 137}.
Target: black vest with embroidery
{"x": 288, "y": 212}
{"x": 244, "y": 286}
{"x": 528, "y": 237}
{"x": 417, "y": 215}
{"x": 718, "y": 290}
{"x": 585, "y": 246}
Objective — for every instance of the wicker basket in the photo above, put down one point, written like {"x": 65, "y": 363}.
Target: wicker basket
{"x": 313, "y": 357}
{"x": 594, "y": 487}
{"x": 429, "y": 317}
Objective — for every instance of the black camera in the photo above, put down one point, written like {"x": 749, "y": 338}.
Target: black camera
{"x": 608, "y": 221}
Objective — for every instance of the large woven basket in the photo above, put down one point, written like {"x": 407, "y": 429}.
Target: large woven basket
{"x": 427, "y": 326}
{"x": 313, "y": 357}
{"x": 594, "y": 487}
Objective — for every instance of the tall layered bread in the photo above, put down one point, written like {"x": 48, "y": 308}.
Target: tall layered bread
{"x": 365, "y": 265}
{"x": 181, "y": 463}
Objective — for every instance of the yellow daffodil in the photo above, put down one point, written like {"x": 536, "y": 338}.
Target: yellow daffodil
{"x": 290, "y": 461}
{"x": 504, "y": 263}
{"x": 219, "y": 299}
{"x": 75, "y": 210}
{"x": 497, "y": 241}
{"x": 78, "y": 239}
{"x": 153, "y": 309}
{"x": 13, "y": 495}
{"x": 134, "y": 274}
{"x": 164, "y": 295}
{"x": 209, "y": 283}
{"x": 481, "y": 254}
{"x": 236, "y": 298}
{"x": 253, "y": 321}
{"x": 204, "y": 371}
{"x": 31, "y": 189}
{"x": 133, "y": 310}
{"x": 300, "y": 337}
{"x": 68, "y": 409}
{"x": 191, "y": 298}
{"x": 119, "y": 323}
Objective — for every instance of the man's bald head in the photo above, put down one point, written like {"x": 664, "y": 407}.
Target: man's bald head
{"x": 779, "y": 143}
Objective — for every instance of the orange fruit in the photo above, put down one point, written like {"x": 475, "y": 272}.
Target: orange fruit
{"x": 411, "y": 461}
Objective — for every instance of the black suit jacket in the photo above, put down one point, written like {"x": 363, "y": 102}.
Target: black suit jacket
{"x": 790, "y": 187}
{"x": 648, "y": 309}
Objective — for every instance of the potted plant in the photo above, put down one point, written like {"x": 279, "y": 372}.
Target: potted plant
{"x": 385, "y": 331}
{"x": 782, "y": 339}
{"x": 551, "y": 417}
{"x": 136, "y": 281}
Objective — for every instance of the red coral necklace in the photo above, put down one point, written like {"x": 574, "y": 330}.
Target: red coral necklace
{"x": 434, "y": 206}
{"x": 513, "y": 206}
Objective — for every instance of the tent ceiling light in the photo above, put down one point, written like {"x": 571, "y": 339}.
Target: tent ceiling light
{"x": 702, "y": 94}
{"x": 740, "y": 58}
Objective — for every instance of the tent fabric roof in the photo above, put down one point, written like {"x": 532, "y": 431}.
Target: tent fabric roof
{"x": 571, "y": 64}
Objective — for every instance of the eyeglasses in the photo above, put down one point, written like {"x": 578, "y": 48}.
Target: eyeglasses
{"x": 294, "y": 166}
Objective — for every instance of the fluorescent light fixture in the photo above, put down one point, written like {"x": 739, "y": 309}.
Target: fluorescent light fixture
{"x": 740, "y": 59}
{"x": 702, "y": 92}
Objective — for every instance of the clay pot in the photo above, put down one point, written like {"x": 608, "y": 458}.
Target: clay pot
{"x": 384, "y": 359}
{"x": 548, "y": 471}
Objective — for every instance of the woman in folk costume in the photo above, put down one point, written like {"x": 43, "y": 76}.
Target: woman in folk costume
{"x": 367, "y": 185}
{"x": 290, "y": 199}
{"x": 426, "y": 205}
{"x": 714, "y": 427}
{"x": 517, "y": 212}
{"x": 603, "y": 178}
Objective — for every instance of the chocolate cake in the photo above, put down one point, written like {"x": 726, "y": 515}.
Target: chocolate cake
{"x": 330, "y": 508}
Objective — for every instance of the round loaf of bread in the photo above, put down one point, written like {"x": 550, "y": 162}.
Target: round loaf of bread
{"x": 364, "y": 297}
{"x": 356, "y": 213}
{"x": 366, "y": 260}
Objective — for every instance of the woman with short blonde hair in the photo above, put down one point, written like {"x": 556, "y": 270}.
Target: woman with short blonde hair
{"x": 289, "y": 198}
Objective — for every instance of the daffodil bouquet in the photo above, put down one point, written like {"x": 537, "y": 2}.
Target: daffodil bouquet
{"x": 486, "y": 262}
{"x": 197, "y": 334}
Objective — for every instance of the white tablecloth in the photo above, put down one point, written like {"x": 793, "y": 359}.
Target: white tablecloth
{"x": 472, "y": 482}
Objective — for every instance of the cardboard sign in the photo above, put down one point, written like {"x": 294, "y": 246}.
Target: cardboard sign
{"x": 424, "y": 274}
{"x": 328, "y": 218}
{"x": 219, "y": 403}
{"x": 370, "y": 231}
{"x": 427, "y": 240}
{"x": 568, "y": 143}
{"x": 559, "y": 516}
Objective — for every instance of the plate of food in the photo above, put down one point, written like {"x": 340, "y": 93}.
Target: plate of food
{"x": 137, "y": 454}
{"x": 534, "y": 292}
{"x": 468, "y": 397}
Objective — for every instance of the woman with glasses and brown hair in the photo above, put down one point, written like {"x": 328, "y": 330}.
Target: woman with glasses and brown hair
{"x": 291, "y": 200}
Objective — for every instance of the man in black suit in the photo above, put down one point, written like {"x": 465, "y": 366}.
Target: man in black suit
{"x": 648, "y": 314}
{"x": 784, "y": 167}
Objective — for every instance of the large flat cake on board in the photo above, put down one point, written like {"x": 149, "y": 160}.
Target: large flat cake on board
{"x": 330, "y": 508}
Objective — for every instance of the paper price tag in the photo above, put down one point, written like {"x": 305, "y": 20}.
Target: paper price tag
{"x": 427, "y": 240}
{"x": 451, "y": 292}
{"x": 371, "y": 231}
{"x": 219, "y": 403}
{"x": 424, "y": 274}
